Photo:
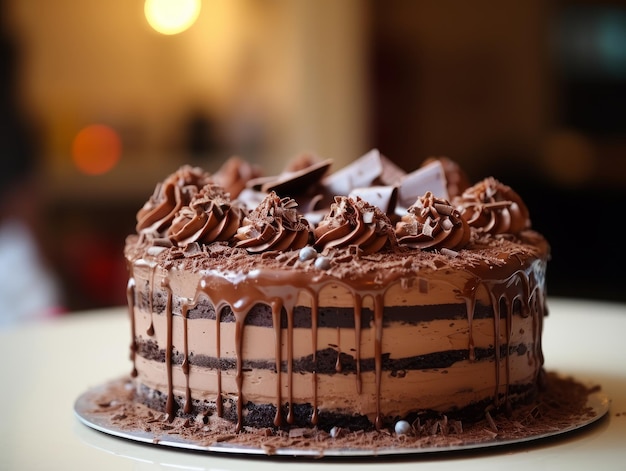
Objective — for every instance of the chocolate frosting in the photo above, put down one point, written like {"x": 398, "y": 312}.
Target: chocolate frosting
{"x": 210, "y": 217}
{"x": 234, "y": 175}
{"x": 169, "y": 197}
{"x": 354, "y": 222}
{"x": 351, "y": 207}
{"x": 274, "y": 225}
{"x": 493, "y": 207}
{"x": 433, "y": 223}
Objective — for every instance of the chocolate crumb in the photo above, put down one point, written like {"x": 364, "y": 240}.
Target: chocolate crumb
{"x": 562, "y": 404}
{"x": 491, "y": 422}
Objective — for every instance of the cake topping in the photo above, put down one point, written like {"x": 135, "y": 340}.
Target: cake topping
{"x": 402, "y": 427}
{"x": 209, "y": 217}
{"x": 493, "y": 207}
{"x": 307, "y": 253}
{"x": 322, "y": 263}
{"x": 433, "y": 223}
{"x": 234, "y": 175}
{"x": 457, "y": 180}
{"x": 354, "y": 222}
{"x": 429, "y": 177}
{"x": 383, "y": 197}
{"x": 273, "y": 225}
{"x": 372, "y": 168}
{"x": 297, "y": 182}
{"x": 169, "y": 197}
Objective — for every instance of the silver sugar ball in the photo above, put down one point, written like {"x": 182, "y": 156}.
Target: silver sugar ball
{"x": 335, "y": 432}
{"x": 307, "y": 253}
{"x": 322, "y": 263}
{"x": 402, "y": 427}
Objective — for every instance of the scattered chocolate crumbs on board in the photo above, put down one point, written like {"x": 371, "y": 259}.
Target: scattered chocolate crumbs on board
{"x": 562, "y": 405}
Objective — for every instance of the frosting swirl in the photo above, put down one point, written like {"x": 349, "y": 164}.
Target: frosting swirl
{"x": 433, "y": 223}
{"x": 493, "y": 207}
{"x": 273, "y": 225}
{"x": 234, "y": 175}
{"x": 354, "y": 222}
{"x": 169, "y": 197}
{"x": 209, "y": 217}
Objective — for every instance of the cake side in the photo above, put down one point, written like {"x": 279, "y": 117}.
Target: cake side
{"x": 419, "y": 337}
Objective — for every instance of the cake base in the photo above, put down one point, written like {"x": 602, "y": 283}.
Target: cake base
{"x": 566, "y": 405}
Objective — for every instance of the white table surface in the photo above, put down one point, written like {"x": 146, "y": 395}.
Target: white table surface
{"x": 44, "y": 367}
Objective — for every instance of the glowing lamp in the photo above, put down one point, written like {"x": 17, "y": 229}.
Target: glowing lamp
{"x": 171, "y": 16}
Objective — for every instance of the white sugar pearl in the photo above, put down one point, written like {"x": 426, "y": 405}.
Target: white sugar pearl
{"x": 402, "y": 427}
{"x": 322, "y": 263}
{"x": 307, "y": 253}
{"x": 335, "y": 432}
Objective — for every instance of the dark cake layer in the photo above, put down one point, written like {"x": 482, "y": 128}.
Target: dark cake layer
{"x": 326, "y": 362}
{"x": 261, "y": 314}
{"x": 263, "y": 415}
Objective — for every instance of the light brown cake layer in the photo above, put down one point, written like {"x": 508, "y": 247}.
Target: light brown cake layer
{"x": 399, "y": 340}
{"x": 444, "y": 390}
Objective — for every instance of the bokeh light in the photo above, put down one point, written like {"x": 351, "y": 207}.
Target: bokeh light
{"x": 96, "y": 149}
{"x": 171, "y": 16}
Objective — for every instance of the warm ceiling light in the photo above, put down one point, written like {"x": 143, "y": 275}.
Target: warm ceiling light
{"x": 171, "y": 16}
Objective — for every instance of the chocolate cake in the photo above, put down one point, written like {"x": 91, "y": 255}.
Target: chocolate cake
{"x": 353, "y": 299}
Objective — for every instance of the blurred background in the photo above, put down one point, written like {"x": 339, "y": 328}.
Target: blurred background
{"x": 113, "y": 96}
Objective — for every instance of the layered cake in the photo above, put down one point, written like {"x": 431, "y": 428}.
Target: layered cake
{"x": 356, "y": 298}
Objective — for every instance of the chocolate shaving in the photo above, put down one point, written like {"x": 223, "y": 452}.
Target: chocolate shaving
{"x": 561, "y": 405}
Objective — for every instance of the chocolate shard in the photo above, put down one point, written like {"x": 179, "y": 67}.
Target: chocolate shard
{"x": 383, "y": 197}
{"x": 294, "y": 183}
{"x": 360, "y": 173}
{"x": 430, "y": 177}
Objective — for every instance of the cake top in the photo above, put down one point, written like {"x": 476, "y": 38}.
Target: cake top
{"x": 371, "y": 211}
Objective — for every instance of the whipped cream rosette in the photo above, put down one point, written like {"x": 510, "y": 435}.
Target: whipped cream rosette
{"x": 275, "y": 224}
{"x": 169, "y": 196}
{"x": 354, "y": 222}
{"x": 433, "y": 223}
{"x": 493, "y": 207}
{"x": 209, "y": 217}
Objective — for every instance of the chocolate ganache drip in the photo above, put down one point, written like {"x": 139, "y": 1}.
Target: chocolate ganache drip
{"x": 169, "y": 197}
{"x": 209, "y": 217}
{"x": 354, "y": 222}
{"x": 433, "y": 223}
{"x": 273, "y": 225}
{"x": 493, "y": 207}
